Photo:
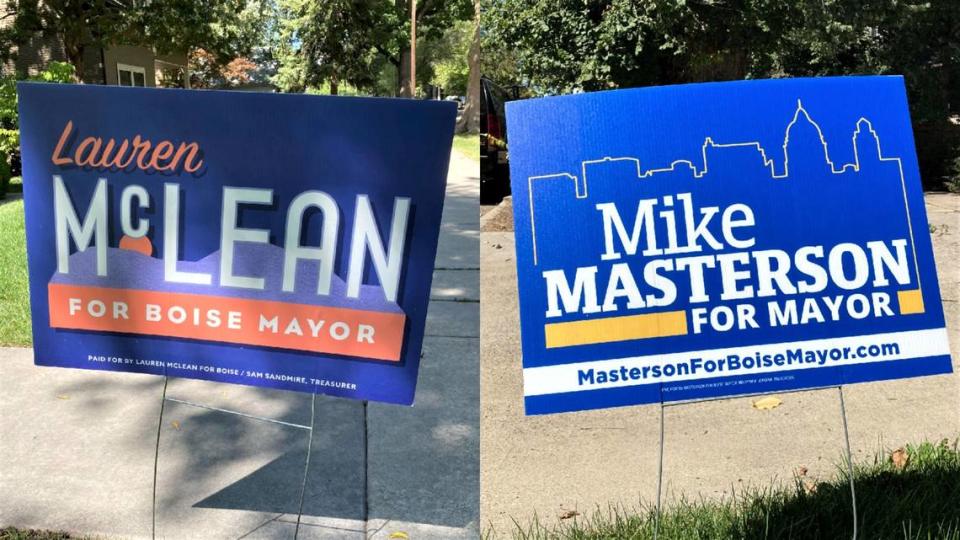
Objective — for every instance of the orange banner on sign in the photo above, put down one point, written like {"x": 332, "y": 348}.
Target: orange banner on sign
{"x": 302, "y": 327}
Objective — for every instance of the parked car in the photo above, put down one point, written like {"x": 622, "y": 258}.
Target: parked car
{"x": 494, "y": 166}
{"x": 458, "y": 99}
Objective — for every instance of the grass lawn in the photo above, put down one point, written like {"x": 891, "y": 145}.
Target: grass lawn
{"x": 14, "y": 297}
{"x": 916, "y": 500}
{"x": 468, "y": 145}
{"x": 11, "y": 533}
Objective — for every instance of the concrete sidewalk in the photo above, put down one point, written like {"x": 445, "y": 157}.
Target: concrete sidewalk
{"x": 77, "y": 447}
{"x": 544, "y": 465}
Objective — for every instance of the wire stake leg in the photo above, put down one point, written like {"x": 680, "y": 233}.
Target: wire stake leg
{"x": 306, "y": 465}
{"x": 846, "y": 436}
{"x": 156, "y": 459}
{"x": 656, "y": 523}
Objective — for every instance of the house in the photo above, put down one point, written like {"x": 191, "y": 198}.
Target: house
{"x": 122, "y": 64}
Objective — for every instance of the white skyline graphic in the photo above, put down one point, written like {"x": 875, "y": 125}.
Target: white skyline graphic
{"x": 863, "y": 126}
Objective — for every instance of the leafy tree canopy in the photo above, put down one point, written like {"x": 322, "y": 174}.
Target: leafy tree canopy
{"x": 226, "y": 28}
{"x": 351, "y": 41}
{"x": 568, "y": 45}
{"x": 444, "y": 60}
{"x": 558, "y": 46}
{"x": 55, "y": 72}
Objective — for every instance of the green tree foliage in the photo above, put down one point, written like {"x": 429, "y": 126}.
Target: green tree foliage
{"x": 444, "y": 60}
{"x": 556, "y": 46}
{"x": 355, "y": 41}
{"x": 223, "y": 27}
{"x": 332, "y": 41}
{"x": 56, "y": 72}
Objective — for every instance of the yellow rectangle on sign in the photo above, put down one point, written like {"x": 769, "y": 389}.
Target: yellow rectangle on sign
{"x": 910, "y": 301}
{"x": 611, "y": 329}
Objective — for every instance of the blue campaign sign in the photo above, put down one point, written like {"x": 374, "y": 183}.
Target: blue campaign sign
{"x": 686, "y": 242}
{"x": 269, "y": 240}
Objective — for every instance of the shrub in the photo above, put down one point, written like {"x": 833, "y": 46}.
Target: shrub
{"x": 55, "y": 72}
{"x": 4, "y": 174}
{"x": 953, "y": 179}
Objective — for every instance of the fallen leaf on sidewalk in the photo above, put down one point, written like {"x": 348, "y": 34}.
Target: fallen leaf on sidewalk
{"x": 767, "y": 403}
{"x": 176, "y": 425}
{"x": 567, "y": 514}
{"x": 399, "y": 534}
{"x": 801, "y": 471}
{"x": 899, "y": 457}
{"x": 63, "y": 396}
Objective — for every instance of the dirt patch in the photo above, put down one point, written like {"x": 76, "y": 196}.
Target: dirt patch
{"x": 499, "y": 218}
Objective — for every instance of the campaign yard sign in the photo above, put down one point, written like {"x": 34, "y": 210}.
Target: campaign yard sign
{"x": 687, "y": 242}
{"x": 269, "y": 240}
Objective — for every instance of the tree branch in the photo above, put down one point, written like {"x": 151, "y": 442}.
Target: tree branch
{"x": 391, "y": 58}
{"x": 424, "y": 8}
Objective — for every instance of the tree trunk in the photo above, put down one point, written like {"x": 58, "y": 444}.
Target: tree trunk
{"x": 470, "y": 120}
{"x": 412, "y": 80}
{"x": 403, "y": 67}
{"x": 74, "y": 54}
{"x": 403, "y": 73}
{"x": 334, "y": 86}
{"x": 186, "y": 70}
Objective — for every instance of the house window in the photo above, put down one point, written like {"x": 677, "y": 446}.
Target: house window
{"x": 128, "y": 75}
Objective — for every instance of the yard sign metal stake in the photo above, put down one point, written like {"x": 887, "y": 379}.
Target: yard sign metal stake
{"x": 656, "y": 523}
{"x": 846, "y": 436}
{"x": 156, "y": 458}
{"x": 306, "y": 466}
